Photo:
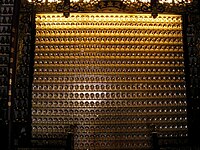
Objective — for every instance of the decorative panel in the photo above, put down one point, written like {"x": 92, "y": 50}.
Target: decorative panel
{"x": 111, "y": 79}
{"x": 115, "y": 6}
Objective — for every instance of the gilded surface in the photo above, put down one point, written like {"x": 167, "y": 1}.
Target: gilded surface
{"x": 117, "y": 6}
{"x": 112, "y": 77}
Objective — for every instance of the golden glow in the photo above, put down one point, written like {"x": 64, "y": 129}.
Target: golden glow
{"x": 113, "y": 71}
{"x": 109, "y": 22}
{"x": 49, "y": 1}
{"x": 125, "y": 1}
{"x": 175, "y": 1}
{"x": 74, "y": 1}
{"x": 134, "y": 1}
{"x": 106, "y": 17}
{"x": 104, "y": 20}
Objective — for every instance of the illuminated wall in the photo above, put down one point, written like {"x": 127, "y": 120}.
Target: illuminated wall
{"x": 126, "y": 1}
{"x": 114, "y": 77}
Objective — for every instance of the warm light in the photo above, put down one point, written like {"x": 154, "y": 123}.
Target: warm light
{"x": 175, "y": 1}
{"x": 49, "y": 1}
{"x": 125, "y": 1}
{"x": 74, "y": 1}
{"x": 135, "y": 1}
{"x": 160, "y": 1}
{"x": 109, "y": 74}
{"x": 86, "y": 1}
{"x": 165, "y": 1}
{"x": 96, "y": 17}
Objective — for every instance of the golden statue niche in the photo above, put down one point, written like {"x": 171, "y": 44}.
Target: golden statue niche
{"x": 112, "y": 77}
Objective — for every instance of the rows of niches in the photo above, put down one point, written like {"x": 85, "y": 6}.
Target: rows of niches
{"x": 21, "y": 117}
{"x": 111, "y": 77}
{"x": 193, "y": 63}
{"x": 22, "y": 72}
{"x": 193, "y": 47}
{"x": 6, "y": 12}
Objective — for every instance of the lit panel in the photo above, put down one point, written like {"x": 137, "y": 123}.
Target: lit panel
{"x": 132, "y": 1}
{"x": 114, "y": 77}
